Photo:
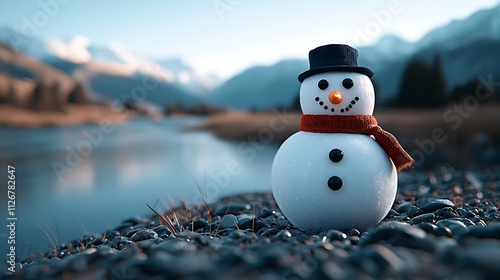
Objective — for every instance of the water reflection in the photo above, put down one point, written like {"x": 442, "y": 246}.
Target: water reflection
{"x": 139, "y": 162}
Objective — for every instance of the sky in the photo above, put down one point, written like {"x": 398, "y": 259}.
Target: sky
{"x": 228, "y": 36}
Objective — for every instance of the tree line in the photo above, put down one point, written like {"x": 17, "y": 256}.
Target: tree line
{"x": 45, "y": 96}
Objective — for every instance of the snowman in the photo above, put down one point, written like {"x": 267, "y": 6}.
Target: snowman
{"x": 340, "y": 170}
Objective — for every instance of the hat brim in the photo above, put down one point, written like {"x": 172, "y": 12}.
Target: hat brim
{"x": 357, "y": 69}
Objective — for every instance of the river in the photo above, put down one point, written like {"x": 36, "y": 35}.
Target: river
{"x": 88, "y": 178}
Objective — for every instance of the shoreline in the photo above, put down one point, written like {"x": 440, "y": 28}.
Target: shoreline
{"x": 74, "y": 115}
{"x": 406, "y": 124}
{"x": 436, "y": 232}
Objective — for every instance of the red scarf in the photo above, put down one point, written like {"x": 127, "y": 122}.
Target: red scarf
{"x": 359, "y": 124}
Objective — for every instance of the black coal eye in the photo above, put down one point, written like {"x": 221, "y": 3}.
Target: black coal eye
{"x": 323, "y": 84}
{"x": 348, "y": 83}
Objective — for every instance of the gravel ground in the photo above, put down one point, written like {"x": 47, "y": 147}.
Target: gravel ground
{"x": 443, "y": 225}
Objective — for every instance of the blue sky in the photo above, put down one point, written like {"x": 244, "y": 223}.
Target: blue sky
{"x": 226, "y": 36}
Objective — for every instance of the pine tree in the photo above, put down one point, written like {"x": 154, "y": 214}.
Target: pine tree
{"x": 438, "y": 84}
{"x": 12, "y": 94}
{"x": 48, "y": 98}
{"x": 78, "y": 95}
{"x": 41, "y": 99}
{"x": 58, "y": 102}
{"x": 422, "y": 86}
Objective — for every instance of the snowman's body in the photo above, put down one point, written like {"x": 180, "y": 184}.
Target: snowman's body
{"x": 301, "y": 171}
{"x": 334, "y": 180}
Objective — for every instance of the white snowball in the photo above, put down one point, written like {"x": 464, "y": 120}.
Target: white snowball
{"x": 300, "y": 174}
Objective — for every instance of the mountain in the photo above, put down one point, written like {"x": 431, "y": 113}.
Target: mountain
{"x": 185, "y": 75}
{"x": 22, "y": 66}
{"x": 168, "y": 71}
{"x": 467, "y": 47}
{"x": 484, "y": 24}
{"x": 261, "y": 87}
{"x": 111, "y": 71}
{"x": 387, "y": 59}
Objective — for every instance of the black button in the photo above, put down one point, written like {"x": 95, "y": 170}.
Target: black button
{"x": 335, "y": 183}
{"x": 336, "y": 155}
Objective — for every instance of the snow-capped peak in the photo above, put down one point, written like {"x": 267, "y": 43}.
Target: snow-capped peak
{"x": 139, "y": 63}
{"x": 75, "y": 50}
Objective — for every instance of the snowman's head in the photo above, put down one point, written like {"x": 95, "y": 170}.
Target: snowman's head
{"x": 337, "y": 93}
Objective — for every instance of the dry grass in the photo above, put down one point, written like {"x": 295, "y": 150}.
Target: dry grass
{"x": 241, "y": 125}
{"x": 405, "y": 124}
{"x": 75, "y": 114}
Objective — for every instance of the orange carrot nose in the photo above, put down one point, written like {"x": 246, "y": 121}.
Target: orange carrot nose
{"x": 335, "y": 97}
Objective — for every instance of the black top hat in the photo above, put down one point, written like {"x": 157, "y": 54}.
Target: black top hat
{"x": 331, "y": 58}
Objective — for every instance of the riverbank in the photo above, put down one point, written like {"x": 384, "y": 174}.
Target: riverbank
{"x": 73, "y": 115}
{"x": 443, "y": 224}
{"x": 407, "y": 124}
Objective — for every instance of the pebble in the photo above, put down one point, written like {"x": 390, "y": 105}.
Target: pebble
{"x": 414, "y": 211}
{"x": 446, "y": 213}
{"x": 246, "y": 221}
{"x": 144, "y": 235}
{"x": 265, "y": 212}
{"x": 229, "y": 221}
{"x": 490, "y": 231}
{"x": 235, "y": 209}
{"x": 335, "y": 235}
{"x": 162, "y": 230}
{"x": 456, "y": 227}
{"x": 432, "y": 204}
{"x": 427, "y": 217}
{"x": 399, "y": 234}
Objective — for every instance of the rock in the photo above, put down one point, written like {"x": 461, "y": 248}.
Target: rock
{"x": 427, "y": 217}
{"x": 432, "y": 204}
{"x": 445, "y": 213}
{"x": 398, "y": 234}
{"x": 354, "y": 239}
{"x": 162, "y": 230}
{"x": 414, "y": 211}
{"x": 196, "y": 224}
{"x": 456, "y": 227}
{"x": 175, "y": 246}
{"x": 490, "y": 231}
{"x": 144, "y": 235}
{"x": 335, "y": 235}
{"x": 352, "y": 232}
{"x": 110, "y": 234}
{"x": 427, "y": 227}
{"x": 283, "y": 222}
{"x": 484, "y": 261}
{"x": 283, "y": 235}
{"x": 237, "y": 234}
{"x": 384, "y": 258}
{"x": 234, "y": 209}
{"x": 246, "y": 221}
{"x": 270, "y": 232}
{"x": 229, "y": 221}
{"x": 442, "y": 231}
{"x": 404, "y": 207}
{"x": 148, "y": 243}
{"x": 392, "y": 213}
{"x": 265, "y": 212}
{"x": 130, "y": 231}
